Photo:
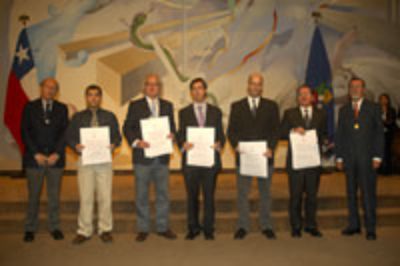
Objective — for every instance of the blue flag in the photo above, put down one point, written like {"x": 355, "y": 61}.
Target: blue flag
{"x": 319, "y": 78}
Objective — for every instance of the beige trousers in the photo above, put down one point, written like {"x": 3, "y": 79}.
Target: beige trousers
{"x": 95, "y": 180}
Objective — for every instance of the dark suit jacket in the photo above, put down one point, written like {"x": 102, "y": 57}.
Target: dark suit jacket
{"x": 83, "y": 118}
{"x": 41, "y": 138}
{"x": 389, "y": 124}
{"x": 138, "y": 110}
{"x": 187, "y": 118}
{"x": 364, "y": 143}
{"x": 244, "y": 127}
{"x": 293, "y": 118}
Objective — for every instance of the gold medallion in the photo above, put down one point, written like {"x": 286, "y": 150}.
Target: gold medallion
{"x": 356, "y": 126}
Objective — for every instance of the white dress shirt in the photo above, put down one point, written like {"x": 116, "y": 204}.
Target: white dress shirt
{"x": 251, "y": 99}
{"x": 45, "y": 102}
{"x": 359, "y": 103}
{"x": 309, "y": 111}
{"x": 156, "y": 103}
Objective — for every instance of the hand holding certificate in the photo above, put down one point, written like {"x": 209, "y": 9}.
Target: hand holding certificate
{"x": 155, "y": 131}
{"x": 202, "y": 153}
{"x": 253, "y": 161}
{"x": 96, "y": 141}
{"x": 305, "y": 150}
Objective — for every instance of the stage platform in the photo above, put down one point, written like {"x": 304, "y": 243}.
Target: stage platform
{"x": 331, "y": 215}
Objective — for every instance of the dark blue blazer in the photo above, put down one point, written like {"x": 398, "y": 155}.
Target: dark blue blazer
{"x": 364, "y": 143}
{"x": 137, "y": 111}
{"x": 40, "y": 137}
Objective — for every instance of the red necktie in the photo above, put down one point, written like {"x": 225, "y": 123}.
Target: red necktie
{"x": 356, "y": 110}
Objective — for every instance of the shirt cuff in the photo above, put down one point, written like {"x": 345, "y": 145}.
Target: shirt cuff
{"x": 134, "y": 143}
{"x": 377, "y": 159}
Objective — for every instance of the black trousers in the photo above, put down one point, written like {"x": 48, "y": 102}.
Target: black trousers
{"x": 361, "y": 175}
{"x": 197, "y": 178}
{"x": 302, "y": 182}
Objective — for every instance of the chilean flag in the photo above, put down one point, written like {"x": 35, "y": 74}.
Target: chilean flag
{"x": 16, "y": 98}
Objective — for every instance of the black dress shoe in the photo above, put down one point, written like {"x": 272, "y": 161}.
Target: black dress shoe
{"x": 29, "y": 237}
{"x": 209, "y": 236}
{"x": 169, "y": 234}
{"x": 371, "y": 236}
{"x": 106, "y": 237}
{"x": 191, "y": 235}
{"x": 296, "y": 233}
{"x": 240, "y": 234}
{"x": 350, "y": 231}
{"x": 313, "y": 232}
{"x": 269, "y": 234}
{"x": 141, "y": 236}
{"x": 57, "y": 235}
{"x": 80, "y": 239}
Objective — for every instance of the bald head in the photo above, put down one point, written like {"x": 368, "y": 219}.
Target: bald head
{"x": 152, "y": 86}
{"x": 48, "y": 88}
{"x": 256, "y": 76}
{"x": 255, "y": 84}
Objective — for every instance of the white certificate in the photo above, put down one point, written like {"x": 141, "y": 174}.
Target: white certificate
{"x": 155, "y": 131}
{"x": 96, "y": 142}
{"x": 253, "y": 162}
{"x": 305, "y": 150}
{"x": 202, "y": 153}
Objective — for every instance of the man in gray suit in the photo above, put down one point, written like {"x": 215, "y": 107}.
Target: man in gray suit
{"x": 304, "y": 181}
{"x": 359, "y": 151}
{"x": 254, "y": 118}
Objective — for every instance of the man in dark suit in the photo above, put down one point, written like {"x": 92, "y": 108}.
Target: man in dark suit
{"x": 359, "y": 152}
{"x": 200, "y": 114}
{"x": 298, "y": 120}
{"x": 254, "y": 118}
{"x": 148, "y": 170}
{"x": 43, "y": 125}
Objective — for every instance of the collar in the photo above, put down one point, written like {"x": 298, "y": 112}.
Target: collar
{"x": 91, "y": 110}
{"x": 45, "y": 102}
{"x": 202, "y": 104}
{"x": 358, "y": 102}
{"x": 250, "y": 100}
{"x": 308, "y": 108}
{"x": 150, "y": 100}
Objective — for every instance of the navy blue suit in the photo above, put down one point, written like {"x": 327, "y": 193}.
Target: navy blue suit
{"x": 358, "y": 141}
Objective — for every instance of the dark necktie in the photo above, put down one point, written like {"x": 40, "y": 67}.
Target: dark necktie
{"x": 47, "y": 112}
{"x": 254, "y": 107}
{"x": 307, "y": 119}
{"x": 94, "y": 122}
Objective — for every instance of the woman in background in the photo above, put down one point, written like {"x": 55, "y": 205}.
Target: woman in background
{"x": 389, "y": 123}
